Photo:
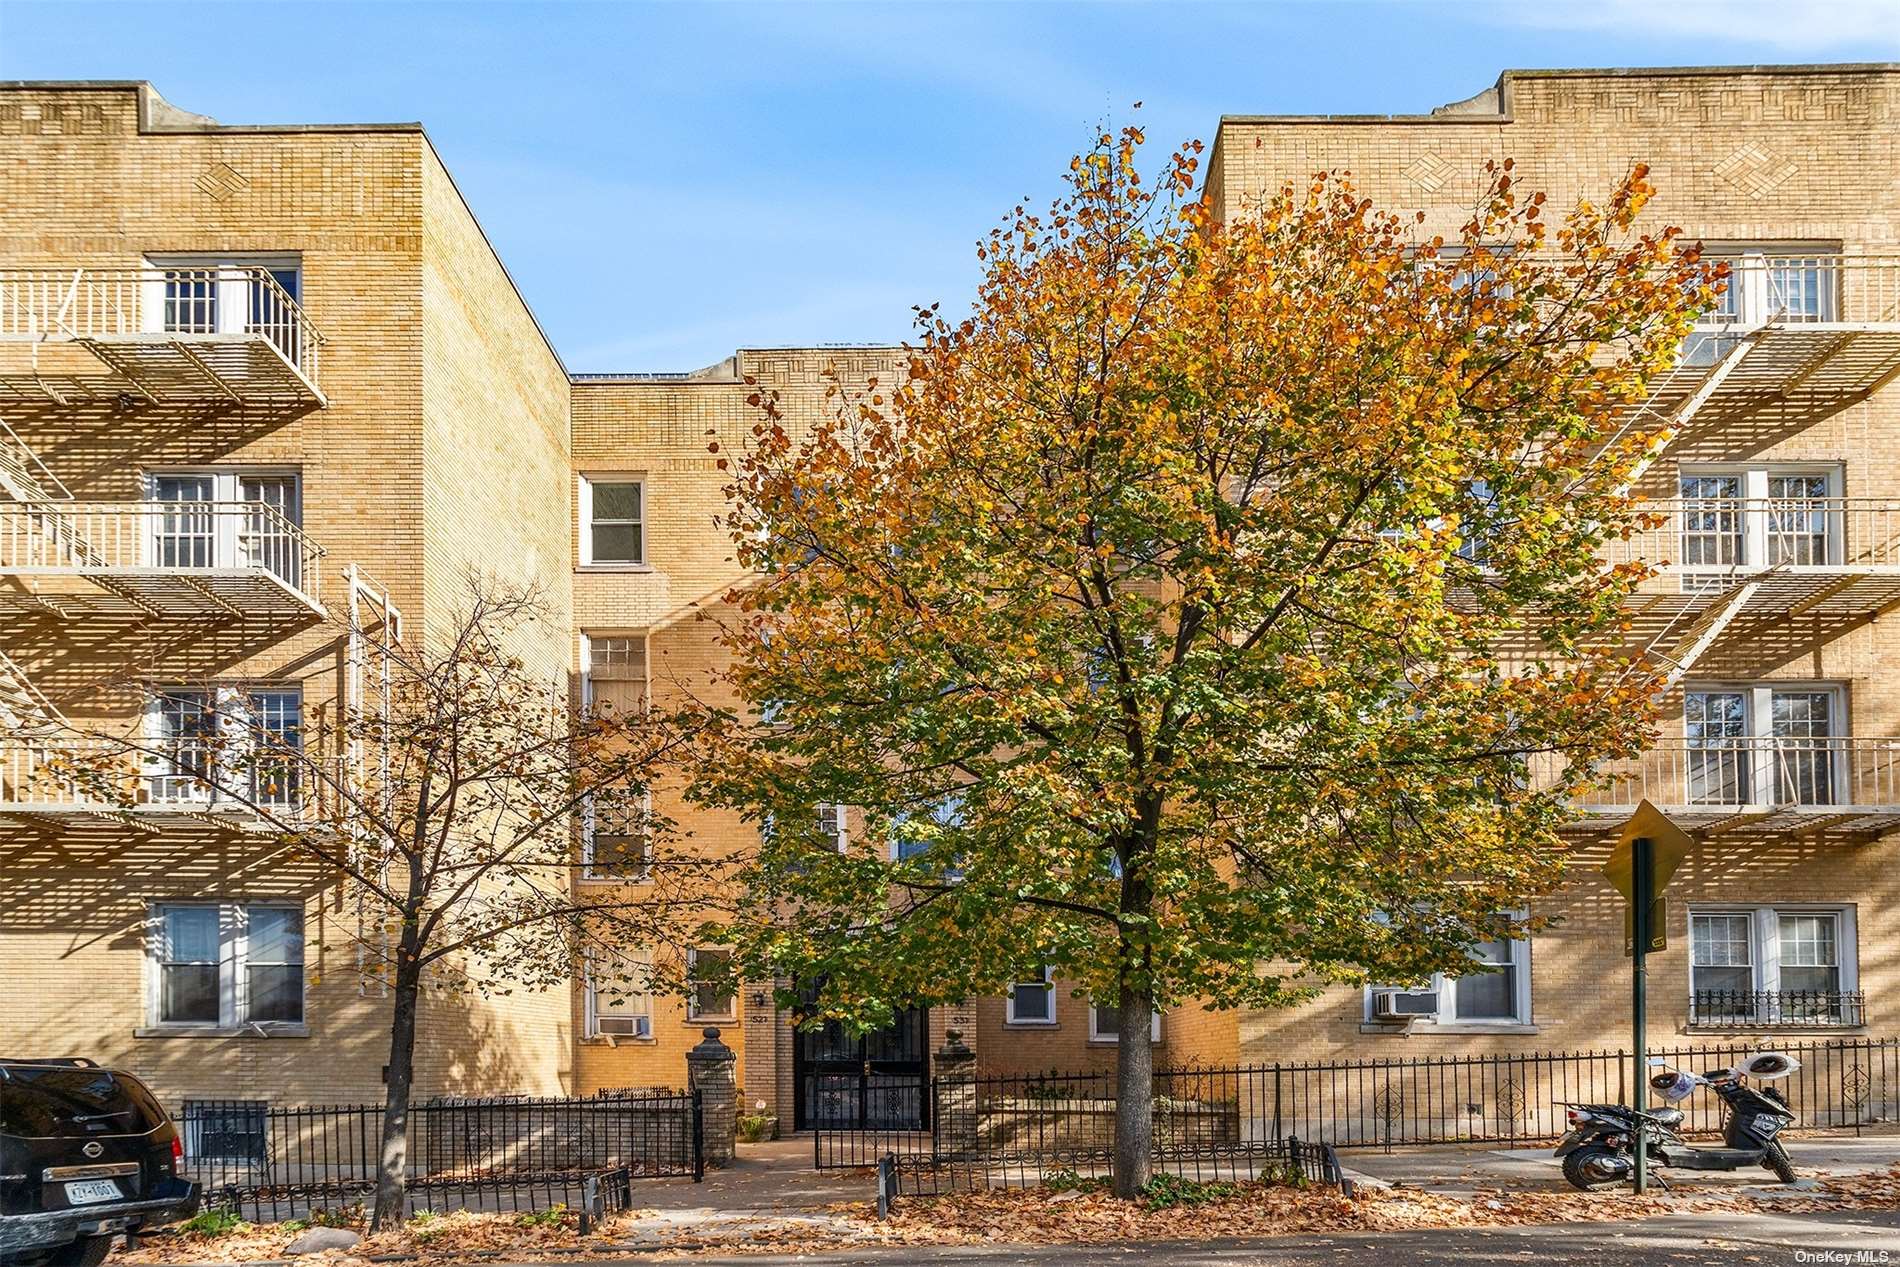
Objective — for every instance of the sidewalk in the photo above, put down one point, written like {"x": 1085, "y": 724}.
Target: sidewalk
{"x": 1462, "y": 1168}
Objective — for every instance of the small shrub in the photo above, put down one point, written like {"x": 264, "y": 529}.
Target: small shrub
{"x": 293, "y": 1225}
{"x": 1164, "y": 1192}
{"x": 554, "y": 1216}
{"x": 214, "y": 1223}
{"x": 754, "y": 1127}
{"x": 1066, "y": 1180}
{"x": 425, "y": 1226}
{"x": 340, "y": 1216}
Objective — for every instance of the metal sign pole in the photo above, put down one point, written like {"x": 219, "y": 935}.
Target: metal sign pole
{"x": 1642, "y": 883}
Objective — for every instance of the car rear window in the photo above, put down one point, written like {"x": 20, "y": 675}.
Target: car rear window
{"x": 38, "y": 1101}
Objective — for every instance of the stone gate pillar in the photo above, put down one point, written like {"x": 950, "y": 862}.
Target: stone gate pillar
{"x": 710, "y": 1071}
{"x": 959, "y": 1129}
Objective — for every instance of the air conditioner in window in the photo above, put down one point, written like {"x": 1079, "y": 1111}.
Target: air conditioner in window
{"x": 1404, "y": 1005}
{"x": 625, "y": 1026}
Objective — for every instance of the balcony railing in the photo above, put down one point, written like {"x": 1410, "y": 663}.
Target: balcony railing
{"x": 1733, "y": 772}
{"x": 1778, "y": 1009}
{"x": 96, "y": 774}
{"x": 1716, "y": 536}
{"x": 1808, "y": 289}
{"x": 207, "y": 302}
{"x": 99, "y": 538}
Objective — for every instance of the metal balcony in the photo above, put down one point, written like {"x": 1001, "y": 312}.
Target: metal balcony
{"x": 1812, "y": 332}
{"x": 60, "y": 777}
{"x": 1831, "y": 556}
{"x": 1762, "y": 783}
{"x": 212, "y": 333}
{"x": 1777, "y": 1009}
{"x": 222, "y": 559}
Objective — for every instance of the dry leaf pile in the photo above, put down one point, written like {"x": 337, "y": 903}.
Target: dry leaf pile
{"x": 1023, "y": 1216}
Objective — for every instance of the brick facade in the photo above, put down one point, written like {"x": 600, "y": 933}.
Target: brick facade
{"x": 452, "y": 441}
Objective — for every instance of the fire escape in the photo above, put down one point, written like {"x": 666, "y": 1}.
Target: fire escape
{"x": 186, "y": 559}
{"x": 1744, "y": 557}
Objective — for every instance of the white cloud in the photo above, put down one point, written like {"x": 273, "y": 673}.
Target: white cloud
{"x": 1816, "y": 26}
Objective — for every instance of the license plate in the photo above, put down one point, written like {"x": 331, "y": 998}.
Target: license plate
{"x": 88, "y": 1191}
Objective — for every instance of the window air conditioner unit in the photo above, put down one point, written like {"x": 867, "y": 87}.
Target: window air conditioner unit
{"x": 625, "y": 1026}
{"x": 1404, "y": 1005}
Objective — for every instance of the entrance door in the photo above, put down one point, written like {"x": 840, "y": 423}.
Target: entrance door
{"x": 877, "y": 1081}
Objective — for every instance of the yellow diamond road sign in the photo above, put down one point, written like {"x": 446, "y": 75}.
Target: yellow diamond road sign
{"x": 1669, "y": 845}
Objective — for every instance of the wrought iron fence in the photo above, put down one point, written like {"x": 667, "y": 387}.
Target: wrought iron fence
{"x": 506, "y": 1153}
{"x": 1289, "y": 1160}
{"x": 1003, "y": 1125}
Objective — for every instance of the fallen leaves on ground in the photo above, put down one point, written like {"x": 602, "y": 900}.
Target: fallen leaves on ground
{"x": 1044, "y": 1216}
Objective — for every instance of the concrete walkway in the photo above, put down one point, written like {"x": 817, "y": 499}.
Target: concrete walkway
{"x": 1462, "y": 1168}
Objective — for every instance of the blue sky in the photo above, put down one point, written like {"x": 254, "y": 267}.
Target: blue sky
{"x": 670, "y": 181}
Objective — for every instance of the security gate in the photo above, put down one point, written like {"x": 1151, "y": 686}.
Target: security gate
{"x": 877, "y": 1081}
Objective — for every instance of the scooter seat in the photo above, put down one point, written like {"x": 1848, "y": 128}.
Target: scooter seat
{"x": 1667, "y": 1117}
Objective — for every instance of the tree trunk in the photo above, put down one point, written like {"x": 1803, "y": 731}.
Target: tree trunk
{"x": 1134, "y": 1093}
{"x": 392, "y": 1189}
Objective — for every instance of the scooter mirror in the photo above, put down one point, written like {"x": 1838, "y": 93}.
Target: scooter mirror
{"x": 1766, "y": 1066}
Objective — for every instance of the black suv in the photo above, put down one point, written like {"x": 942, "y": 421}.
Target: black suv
{"x": 85, "y": 1153}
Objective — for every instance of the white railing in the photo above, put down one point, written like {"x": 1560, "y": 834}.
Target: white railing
{"x": 1744, "y": 770}
{"x": 1809, "y": 289}
{"x": 104, "y": 303}
{"x": 182, "y": 536}
{"x": 1750, "y": 534}
{"x": 95, "y": 773}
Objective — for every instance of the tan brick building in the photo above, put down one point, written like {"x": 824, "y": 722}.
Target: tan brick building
{"x": 302, "y": 335}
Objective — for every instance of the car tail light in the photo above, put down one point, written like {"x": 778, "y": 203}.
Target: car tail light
{"x": 178, "y": 1153}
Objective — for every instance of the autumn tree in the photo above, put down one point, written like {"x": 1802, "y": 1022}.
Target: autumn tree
{"x": 1214, "y": 613}
{"x": 454, "y": 802}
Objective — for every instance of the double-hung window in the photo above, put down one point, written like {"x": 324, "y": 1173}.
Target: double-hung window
{"x": 619, "y": 997}
{"x": 1105, "y": 1024}
{"x": 616, "y": 836}
{"x": 1760, "y": 517}
{"x": 226, "y": 744}
{"x": 226, "y": 520}
{"x": 1033, "y": 1001}
{"x": 613, "y": 523}
{"x": 226, "y": 964}
{"x": 1764, "y": 744}
{"x": 227, "y": 295}
{"x": 1498, "y": 993}
{"x": 709, "y": 993}
{"x": 1773, "y": 965}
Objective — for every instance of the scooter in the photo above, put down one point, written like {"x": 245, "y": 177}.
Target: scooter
{"x": 1598, "y": 1152}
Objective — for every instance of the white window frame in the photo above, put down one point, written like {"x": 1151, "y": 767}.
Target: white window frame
{"x": 1445, "y": 986}
{"x": 1098, "y": 1035}
{"x": 587, "y": 483}
{"x": 234, "y": 921}
{"x": 1758, "y": 700}
{"x": 232, "y": 299}
{"x": 1764, "y": 930}
{"x": 1047, "y": 986}
{"x": 840, "y": 828}
{"x": 693, "y": 1014}
{"x": 229, "y": 548}
{"x": 642, "y": 873}
{"x": 229, "y": 707}
{"x": 590, "y": 1002}
{"x": 1755, "y": 498}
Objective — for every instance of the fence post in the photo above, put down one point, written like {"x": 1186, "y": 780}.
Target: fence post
{"x": 886, "y": 1184}
{"x": 1277, "y": 1126}
{"x": 710, "y": 1072}
{"x": 699, "y": 1139}
{"x": 957, "y": 1128}
{"x": 590, "y": 1199}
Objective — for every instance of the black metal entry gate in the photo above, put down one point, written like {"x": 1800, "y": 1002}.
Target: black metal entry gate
{"x": 872, "y": 1082}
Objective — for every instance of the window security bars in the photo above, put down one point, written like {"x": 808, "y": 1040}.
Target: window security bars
{"x": 505, "y": 1153}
